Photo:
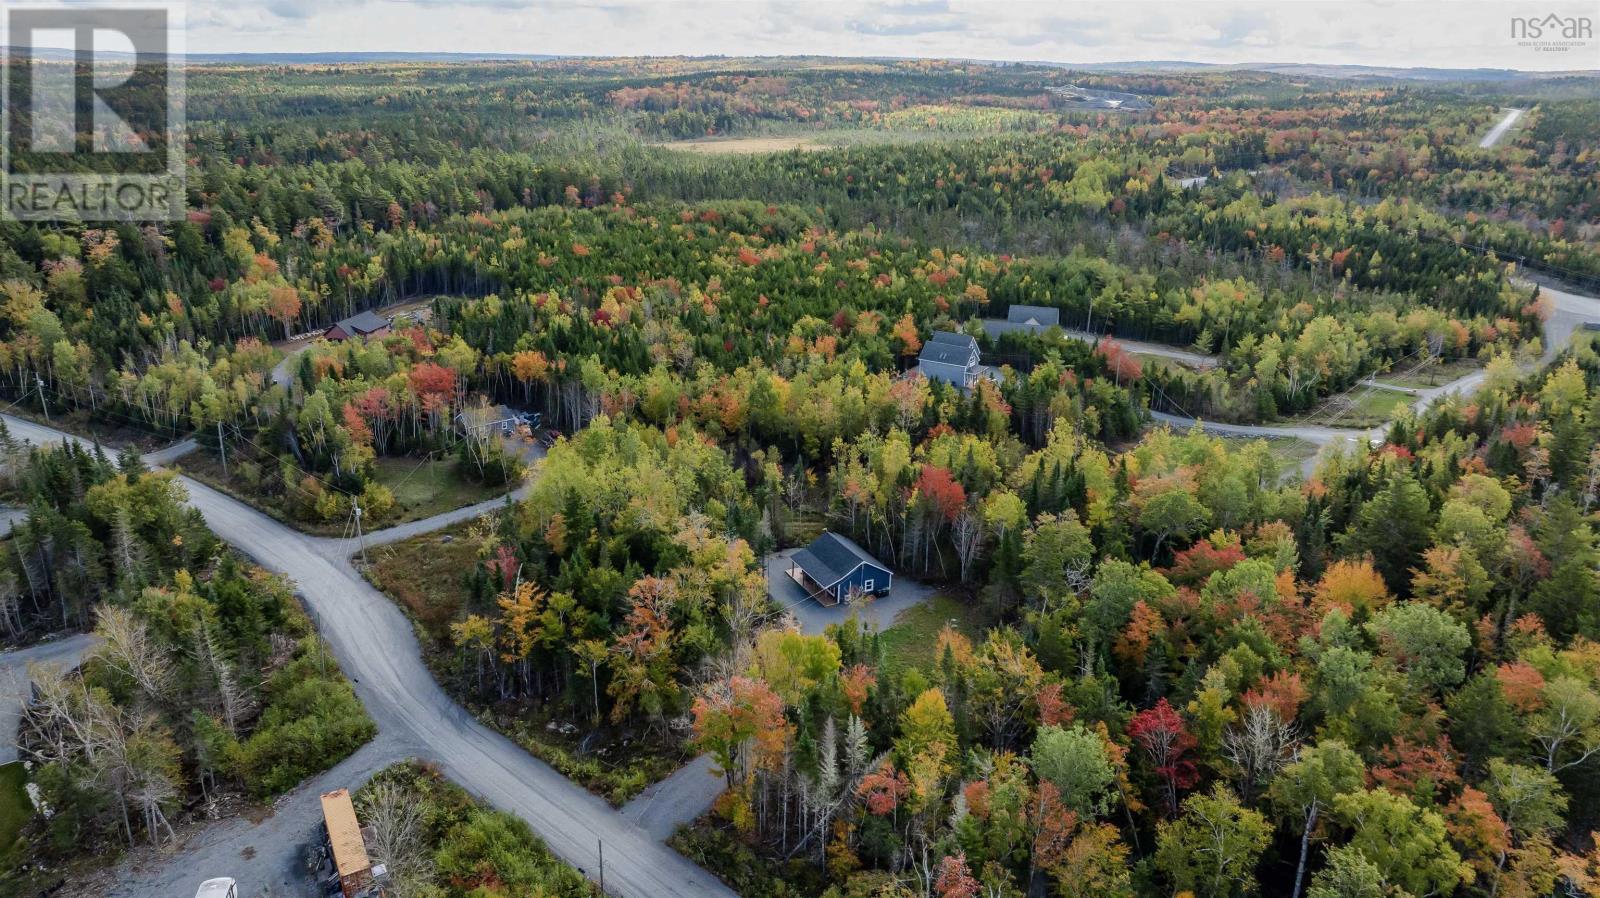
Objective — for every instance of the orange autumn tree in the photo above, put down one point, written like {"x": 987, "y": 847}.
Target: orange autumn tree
{"x": 641, "y": 657}
{"x": 741, "y": 723}
{"x": 905, "y": 331}
{"x": 1351, "y": 585}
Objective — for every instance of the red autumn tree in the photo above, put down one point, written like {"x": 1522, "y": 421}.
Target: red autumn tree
{"x": 1522, "y": 684}
{"x": 905, "y": 330}
{"x": 428, "y": 379}
{"x": 942, "y": 491}
{"x": 1196, "y": 563}
{"x": 882, "y": 789}
{"x": 1054, "y": 710}
{"x": 1284, "y": 692}
{"x": 1165, "y": 740}
{"x": 955, "y": 880}
{"x": 1121, "y": 363}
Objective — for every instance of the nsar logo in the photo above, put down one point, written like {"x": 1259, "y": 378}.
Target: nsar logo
{"x": 1552, "y": 27}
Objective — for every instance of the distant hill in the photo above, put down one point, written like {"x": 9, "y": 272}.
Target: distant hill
{"x": 1314, "y": 70}
{"x": 333, "y": 58}
{"x": 1156, "y": 66}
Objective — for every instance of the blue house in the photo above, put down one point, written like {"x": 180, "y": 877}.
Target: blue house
{"x": 1034, "y": 318}
{"x": 833, "y": 568}
{"x": 950, "y": 357}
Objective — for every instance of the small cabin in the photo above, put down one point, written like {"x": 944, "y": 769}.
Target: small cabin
{"x": 1034, "y": 317}
{"x": 951, "y": 357}
{"x": 833, "y": 568}
{"x": 366, "y": 324}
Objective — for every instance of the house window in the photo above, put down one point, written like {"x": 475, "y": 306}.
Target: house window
{"x": 867, "y": 586}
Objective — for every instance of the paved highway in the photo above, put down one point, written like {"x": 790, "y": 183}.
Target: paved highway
{"x": 374, "y": 643}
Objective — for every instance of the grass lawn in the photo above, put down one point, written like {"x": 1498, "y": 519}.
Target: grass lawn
{"x": 1290, "y": 452}
{"x": 424, "y": 488}
{"x": 913, "y": 639}
{"x": 425, "y": 575}
{"x": 15, "y": 812}
{"x": 1432, "y": 375}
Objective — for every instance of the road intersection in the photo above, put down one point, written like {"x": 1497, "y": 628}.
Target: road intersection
{"x": 376, "y": 646}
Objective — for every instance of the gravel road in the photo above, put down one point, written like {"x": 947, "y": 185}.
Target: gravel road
{"x": 1500, "y": 129}
{"x": 67, "y": 652}
{"x": 375, "y": 645}
{"x": 1568, "y": 312}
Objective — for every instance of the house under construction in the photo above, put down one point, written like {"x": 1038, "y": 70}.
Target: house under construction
{"x": 352, "y": 874}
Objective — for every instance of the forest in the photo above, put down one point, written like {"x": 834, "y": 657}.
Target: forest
{"x": 1167, "y": 662}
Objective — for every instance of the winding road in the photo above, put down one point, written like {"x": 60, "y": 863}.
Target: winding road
{"x": 1568, "y": 313}
{"x": 377, "y": 649}
{"x": 375, "y": 644}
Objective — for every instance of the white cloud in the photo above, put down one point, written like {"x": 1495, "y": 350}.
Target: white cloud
{"x": 1438, "y": 33}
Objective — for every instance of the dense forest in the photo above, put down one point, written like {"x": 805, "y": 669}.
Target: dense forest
{"x": 1177, "y": 664}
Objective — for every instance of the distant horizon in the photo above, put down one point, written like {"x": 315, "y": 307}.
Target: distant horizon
{"x": 1155, "y": 64}
{"x": 1394, "y": 34}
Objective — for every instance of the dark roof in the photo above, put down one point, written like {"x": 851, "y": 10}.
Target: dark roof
{"x": 364, "y": 323}
{"x": 1039, "y": 315}
{"x": 949, "y": 348}
{"x": 831, "y": 557}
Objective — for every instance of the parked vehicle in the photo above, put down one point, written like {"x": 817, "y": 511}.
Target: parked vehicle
{"x": 220, "y": 887}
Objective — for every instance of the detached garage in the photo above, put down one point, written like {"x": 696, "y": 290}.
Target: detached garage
{"x": 366, "y": 324}
{"x": 833, "y": 568}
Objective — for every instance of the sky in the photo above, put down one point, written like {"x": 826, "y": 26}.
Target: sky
{"x": 1433, "y": 33}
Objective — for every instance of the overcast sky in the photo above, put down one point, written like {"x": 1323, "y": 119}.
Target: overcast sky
{"x": 1399, "y": 33}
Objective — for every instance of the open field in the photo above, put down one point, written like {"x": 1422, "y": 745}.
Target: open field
{"x": 425, "y": 575}
{"x": 735, "y": 146}
{"x": 1432, "y": 375}
{"x": 822, "y": 139}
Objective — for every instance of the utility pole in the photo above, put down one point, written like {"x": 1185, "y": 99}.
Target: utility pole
{"x": 602, "y": 844}
{"x": 42, "y": 404}
{"x": 322, "y": 648}
{"x": 360, "y": 538}
{"x": 223, "y": 448}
